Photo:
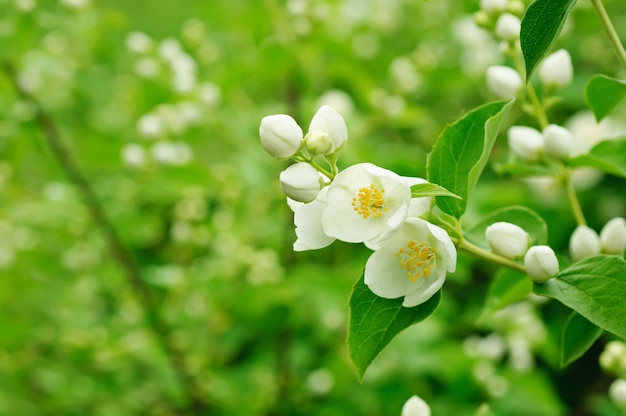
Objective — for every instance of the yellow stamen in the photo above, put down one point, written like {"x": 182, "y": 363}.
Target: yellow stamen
{"x": 418, "y": 259}
{"x": 370, "y": 202}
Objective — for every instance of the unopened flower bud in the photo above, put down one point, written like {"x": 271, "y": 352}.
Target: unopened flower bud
{"x": 318, "y": 143}
{"x": 525, "y": 142}
{"x": 617, "y": 392}
{"x": 508, "y": 27}
{"x": 503, "y": 81}
{"x": 557, "y": 141}
{"x": 493, "y": 6}
{"x": 557, "y": 70}
{"x": 483, "y": 19}
{"x": 613, "y": 357}
{"x": 541, "y": 263}
{"x": 584, "y": 243}
{"x": 613, "y": 236}
{"x": 301, "y": 182}
{"x": 328, "y": 121}
{"x": 506, "y": 239}
{"x": 415, "y": 406}
{"x": 280, "y": 135}
{"x": 516, "y": 7}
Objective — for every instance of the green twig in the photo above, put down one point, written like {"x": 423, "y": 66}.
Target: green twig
{"x": 610, "y": 31}
{"x": 468, "y": 247}
{"x": 574, "y": 203}
{"x": 196, "y": 403}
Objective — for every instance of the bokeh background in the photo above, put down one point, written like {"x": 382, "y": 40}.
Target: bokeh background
{"x": 158, "y": 104}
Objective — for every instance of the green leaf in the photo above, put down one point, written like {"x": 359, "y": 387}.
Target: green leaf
{"x": 577, "y": 337}
{"x": 595, "y": 288}
{"x": 603, "y": 94}
{"x": 506, "y": 288}
{"x": 461, "y": 152}
{"x": 375, "y": 321}
{"x": 609, "y": 156}
{"x": 541, "y": 24}
{"x": 430, "y": 189}
{"x": 524, "y": 217}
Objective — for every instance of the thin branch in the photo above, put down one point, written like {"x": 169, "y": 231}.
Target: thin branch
{"x": 196, "y": 404}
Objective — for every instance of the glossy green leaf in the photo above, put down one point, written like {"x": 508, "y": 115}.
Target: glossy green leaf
{"x": 524, "y": 217}
{"x": 541, "y": 25}
{"x": 577, "y": 337}
{"x": 506, "y": 288}
{"x": 461, "y": 153}
{"x": 375, "y": 321}
{"x": 608, "y": 156}
{"x": 430, "y": 189}
{"x": 595, "y": 288}
{"x": 603, "y": 94}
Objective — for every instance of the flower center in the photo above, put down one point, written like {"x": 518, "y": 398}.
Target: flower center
{"x": 370, "y": 202}
{"x": 418, "y": 259}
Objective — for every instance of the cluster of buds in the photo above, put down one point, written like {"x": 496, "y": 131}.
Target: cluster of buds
{"x": 531, "y": 145}
{"x": 363, "y": 203}
{"x": 585, "y": 242}
{"x": 512, "y": 242}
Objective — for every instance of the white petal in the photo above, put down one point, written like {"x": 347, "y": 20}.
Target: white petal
{"x": 328, "y": 120}
{"x": 308, "y": 221}
{"x": 280, "y": 135}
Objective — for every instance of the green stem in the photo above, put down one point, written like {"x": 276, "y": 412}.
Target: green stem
{"x": 539, "y": 111}
{"x": 573, "y": 199}
{"x": 610, "y": 31}
{"x": 486, "y": 255}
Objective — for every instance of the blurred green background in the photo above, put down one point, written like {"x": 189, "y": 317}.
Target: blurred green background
{"x": 159, "y": 104}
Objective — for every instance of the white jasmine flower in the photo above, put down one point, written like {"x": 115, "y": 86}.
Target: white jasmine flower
{"x": 366, "y": 203}
{"x": 525, "y": 142}
{"x": 508, "y": 240}
{"x": 541, "y": 263}
{"x": 412, "y": 263}
{"x": 557, "y": 70}
{"x": 557, "y": 141}
{"x": 134, "y": 155}
{"x": 280, "y": 135}
{"x": 584, "y": 243}
{"x": 613, "y": 236}
{"x": 415, "y": 406}
{"x": 329, "y": 122}
{"x": 301, "y": 182}
{"x": 503, "y": 81}
{"x": 508, "y": 27}
{"x": 308, "y": 221}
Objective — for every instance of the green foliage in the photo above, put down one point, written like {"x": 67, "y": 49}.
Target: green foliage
{"x": 461, "y": 153}
{"x": 603, "y": 94}
{"x": 375, "y": 321}
{"x": 595, "y": 288}
{"x": 507, "y": 287}
{"x": 577, "y": 337}
{"x": 430, "y": 189}
{"x": 607, "y": 156}
{"x": 541, "y": 25}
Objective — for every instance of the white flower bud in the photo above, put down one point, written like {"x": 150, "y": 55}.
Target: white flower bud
{"x": 493, "y": 6}
{"x": 506, "y": 239}
{"x": 280, "y": 135}
{"x": 584, "y": 243}
{"x": 541, "y": 263}
{"x": 613, "y": 357}
{"x": 301, "y": 182}
{"x": 525, "y": 142}
{"x": 508, "y": 27}
{"x": 330, "y": 122}
{"x": 318, "y": 143}
{"x": 503, "y": 81}
{"x": 557, "y": 141}
{"x": 415, "y": 406}
{"x": 613, "y": 236}
{"x": 617, "y": 392}
{"x": 557, "y": 70}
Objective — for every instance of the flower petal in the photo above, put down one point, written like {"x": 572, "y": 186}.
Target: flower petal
{"x": 329, "y": 121}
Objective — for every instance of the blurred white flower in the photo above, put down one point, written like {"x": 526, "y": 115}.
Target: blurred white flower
{"x": 541, "y": 263}
{"x": 172, "y": 153}
{"x": 613, "y": 357}
{"x": 556, "y": 70}
{"x": 209, "y": 93}
{"x": 412, "y": 263}
{"x": 150, "y": 125}
{"x": 506, "y": 239}
{"x": 134, "y": 155}
{"x": 366, "y": 203}
{"x": 557, "y": 141}
{"x": 170, "y": 49}
{"x": 139, "y": 42}
{"x": 613, "y": 236}
{"x": 617, "y": 392}
{"x": 525, "y": 142}
{"x": 337, "y": 99}
{"x": 308, "y": 221}
{"x": 503, "y": 81}
{"x": 301, "y": 182}
{"x": 405, "y": 74}
{"x": 147, "y": 67}
{"x": 493, "y": 6}
{"x": 415, "y": 406}
{"x": 508, "y": 27}
{"x": 584, "y": 243}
